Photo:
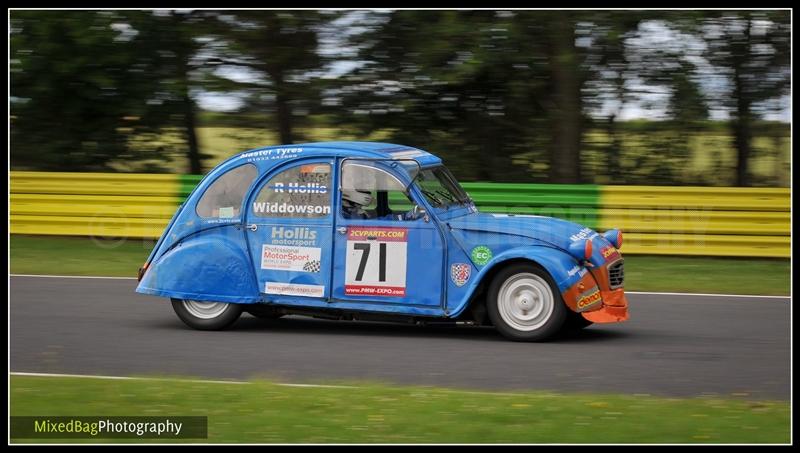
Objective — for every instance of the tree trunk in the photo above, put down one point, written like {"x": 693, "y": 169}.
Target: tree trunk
{"x": 183, "y": 50}
{"x": 614, "y": 150}
{"x": 189, "y": 125}
{"x": 565, "y": 160}
{"x": 742, "y": 138}
{"x": 742, "y": 124}
{"x": 283, "y": 109}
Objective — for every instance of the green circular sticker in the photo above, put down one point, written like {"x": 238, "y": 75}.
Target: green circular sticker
{"x": 481, "y": 255}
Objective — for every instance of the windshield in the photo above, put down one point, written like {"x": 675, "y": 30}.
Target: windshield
{"x": 441, "y": 188}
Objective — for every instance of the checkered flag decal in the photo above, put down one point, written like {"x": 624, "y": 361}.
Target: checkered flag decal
{"x": 311, "y": 266}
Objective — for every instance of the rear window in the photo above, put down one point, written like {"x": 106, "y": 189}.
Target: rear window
{"x": 223, "y": 199}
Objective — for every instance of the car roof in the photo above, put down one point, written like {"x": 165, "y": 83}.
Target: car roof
{"x": 269, "y": 156}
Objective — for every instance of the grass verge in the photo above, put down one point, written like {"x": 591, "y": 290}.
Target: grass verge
{"x": 82, "y": 256}
{"x": 263, "y": 412}
{"x": 764, "y": 276}
{"x": 55, "y": 255}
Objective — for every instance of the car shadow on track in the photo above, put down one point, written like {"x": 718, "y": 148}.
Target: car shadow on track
{"x": 304, "y": 325}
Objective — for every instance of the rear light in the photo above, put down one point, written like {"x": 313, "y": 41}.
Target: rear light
{"x": 142, "y": 270}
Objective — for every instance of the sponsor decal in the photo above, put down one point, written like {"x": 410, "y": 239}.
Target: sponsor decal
{"x": 459, "y": 273}
{"x": 226, "y": 213}
{"x": 297, "y": 236}
{"x": 609, "y": 252}
{"x": 288, "y": 208}
{"x": 312, "y": 266}
{"x": 577, "y": 270}
{"x": 378, "y": 234}
{"x": 516, "y": 215}
{"x": 585, "y": 233}
{"x": 588, "y": 298}
{"x": 481, "y": 255}
{"x": 376, "y": 261}
{"x": 288, "y": 258}
{"x": 321, "y": 169}
{"x": 270, "y": 154}
{"x": 296, "y": 187}
{"x": 219, "y": 220}
{"x": 294, "y": 289}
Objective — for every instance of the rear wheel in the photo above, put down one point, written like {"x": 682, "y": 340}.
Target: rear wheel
{"x": 524, "y": 303}
{"x": 204, "y": 315}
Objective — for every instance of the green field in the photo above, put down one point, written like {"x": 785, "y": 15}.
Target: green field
{"x": 263, "y": 412}
{"x": 711, "y": 160}
{"x": 81, "y": 256}
{"x": 221, "y": 142}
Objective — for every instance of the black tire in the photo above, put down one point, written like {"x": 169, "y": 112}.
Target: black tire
{"x": 547, "y": 322}
{"x": 226, "y": 316}
{"x": 576, "y": 321}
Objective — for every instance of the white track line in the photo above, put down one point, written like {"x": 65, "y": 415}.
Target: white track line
{"x": 206, "y": 381}
{"x": 71, "y": 276}
{"x": 710, "y": 295}
{"x": 199, "y": 381}
{"x": 626, "y": 292}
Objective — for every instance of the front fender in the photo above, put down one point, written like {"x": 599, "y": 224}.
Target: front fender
{"x": 562, "y": 267}
{"x": 212, "y": 268}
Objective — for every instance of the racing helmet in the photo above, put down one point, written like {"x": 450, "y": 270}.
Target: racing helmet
{"x": 357, "y": 197}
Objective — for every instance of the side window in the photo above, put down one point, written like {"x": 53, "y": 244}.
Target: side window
{"x": 300, "y": 192}
{"x": 223, "y": 198}
{"x": 371, "y": 193}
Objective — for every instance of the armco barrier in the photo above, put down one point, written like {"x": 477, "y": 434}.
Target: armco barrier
{"x": 655, "y": 220}
{"x": 710, "y": 221}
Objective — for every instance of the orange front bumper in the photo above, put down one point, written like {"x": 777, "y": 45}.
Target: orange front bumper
{"x": 614, "y": 309}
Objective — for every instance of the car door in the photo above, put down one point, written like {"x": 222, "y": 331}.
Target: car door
{"x": 381, "y": 253}
{"x": 288, "y": 227}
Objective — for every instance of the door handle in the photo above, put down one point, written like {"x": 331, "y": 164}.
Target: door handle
{"x": 342, "y": 230}
{"x": 252, "y": 227}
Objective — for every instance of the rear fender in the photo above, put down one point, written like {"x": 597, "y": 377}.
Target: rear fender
{"x": 211, "y": 267}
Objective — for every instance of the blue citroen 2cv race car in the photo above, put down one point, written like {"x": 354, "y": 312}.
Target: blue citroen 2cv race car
{"x": 375, "y": 231}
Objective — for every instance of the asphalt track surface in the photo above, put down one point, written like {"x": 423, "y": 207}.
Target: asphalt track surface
{"x": 673, "y": 345}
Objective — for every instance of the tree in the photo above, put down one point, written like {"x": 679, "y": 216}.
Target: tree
{"x": 280, "y": 48}
{"x": 466, "y": 85}
{"x": 753, "y": 50}
{"x": 566, "y": 108}
{"x": 176, "y": 38}
{"x": 80, "y": 90}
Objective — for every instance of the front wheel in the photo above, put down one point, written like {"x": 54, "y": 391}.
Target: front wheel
{"x": 203, "y": 315}
{"x": 524, "y": 304}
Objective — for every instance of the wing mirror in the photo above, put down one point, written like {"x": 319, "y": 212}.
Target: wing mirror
{"x": 418, "y": 211}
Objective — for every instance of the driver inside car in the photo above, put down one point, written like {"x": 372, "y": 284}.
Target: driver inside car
{"x": 355, "y": 201}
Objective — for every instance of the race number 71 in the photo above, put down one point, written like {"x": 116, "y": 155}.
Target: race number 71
{"x": 376, "y": 262}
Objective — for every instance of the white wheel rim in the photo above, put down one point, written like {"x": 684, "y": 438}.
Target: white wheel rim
{"x": 205, "y": 310}
{"x": 525, "y": 302}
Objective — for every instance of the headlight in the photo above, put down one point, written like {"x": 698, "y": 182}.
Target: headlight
{"x": 614, "y": 237}
{"x": 581, "y": 250}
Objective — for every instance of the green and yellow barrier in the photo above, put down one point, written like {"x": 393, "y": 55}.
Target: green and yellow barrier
{"x": 710, "y": 221}
{"x": 706, "y": 221}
